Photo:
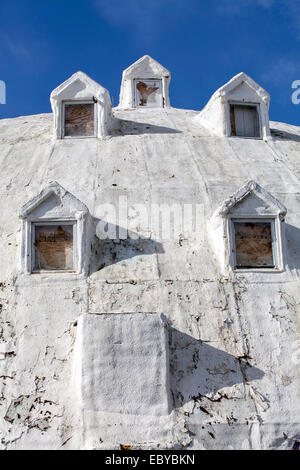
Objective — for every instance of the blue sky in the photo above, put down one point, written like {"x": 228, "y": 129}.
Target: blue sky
{"x": 202, "y": 42}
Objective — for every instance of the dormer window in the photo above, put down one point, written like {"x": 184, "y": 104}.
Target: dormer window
{"x": 148, "y": 93}
{"x": 247, "y": 230}
{"x": 57, "y": 233}
{"x": 254, "y": 243}
{"x": 53, "y": 246}
{"x": 244, "y": 120}
{"x": 81, "y": 108}
{"x": 145, "y": 84}
{"x": 79, "y": 119}
{"x": 240, "y": 108}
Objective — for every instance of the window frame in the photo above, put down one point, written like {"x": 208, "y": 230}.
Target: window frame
{"x": 244, "y": 103}
{"x": 135, "y": 92}
{"x": 33, "y": 224}
{"x": 74, "y": 102}
{"x": 276, "y": 243}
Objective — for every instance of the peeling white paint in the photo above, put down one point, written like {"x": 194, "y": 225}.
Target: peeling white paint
{"x": 143, "y": 69}
{"x": 233, "y": 381}
{"x": 81, "y": 87}
{"x": 240, "y": 89}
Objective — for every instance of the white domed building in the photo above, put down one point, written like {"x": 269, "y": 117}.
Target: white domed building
{"x": 149, "y": 270}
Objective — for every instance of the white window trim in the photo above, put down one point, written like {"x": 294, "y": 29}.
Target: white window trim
{"x": 276, "y": 242}
{"x": 70, "y": 102}
{"x": 228, "y": 120}
{"x": 135, "y": 92}
{"x": 27, "y": 252}
{"x": 54, "y": 222}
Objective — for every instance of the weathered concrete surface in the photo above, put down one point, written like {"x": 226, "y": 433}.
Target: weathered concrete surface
{"x": 121, "y": 377}
{"x": 110, "y": 346}
{"x": 234, "y": 340}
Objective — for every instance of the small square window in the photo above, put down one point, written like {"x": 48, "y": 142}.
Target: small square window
{"x": 53, "y": 246}
{"x": 244, "y": 120}
{"x": 254, "y": 244}
{"x": 79, "y": 119}
{"x": 148, "y": 93}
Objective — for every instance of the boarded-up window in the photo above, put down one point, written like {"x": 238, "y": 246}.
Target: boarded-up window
{"x": 254, "y": 244}
{"x": 79, "y": 120}
{"x": 148, "y": 93}
{"x": 53, "y": 247}
{"x": 244, "y": 120}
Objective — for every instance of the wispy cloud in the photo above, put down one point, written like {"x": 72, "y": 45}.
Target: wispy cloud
{"x": 151, "y": 18}
{"x": 146, "y": 19}
{"x": 16, "y": 48}
{"x": 281, "y": 71}
{"x": 280, "y": 75}
{"x": 291, "y": 8}
{"x": 25, "y": 52}
{"x": 235, "y": 7}
{"x": 288, "y": 9}
{"x": 22, "y": 43}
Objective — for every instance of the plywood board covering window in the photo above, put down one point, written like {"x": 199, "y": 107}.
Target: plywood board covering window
{"x": 53, "y": 245}
{"x": 148, "y": 93}
{"x": 254, "y": 244}
{"x": 244, "y": 120}
{"x": 79, "y": 120}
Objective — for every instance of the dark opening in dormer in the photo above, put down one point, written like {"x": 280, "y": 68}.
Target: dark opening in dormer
{"x": 53, "y": 246}
{"x": 254, "y": 244}
{"x": 145, "y": 84}
{"x": 79, "y": 119}
{"x": 244, "y": 120}
{"x": 148, "y": 93}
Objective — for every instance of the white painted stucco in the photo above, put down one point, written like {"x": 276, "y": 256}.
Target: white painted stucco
{"x": 80, "y": 87}
{"x": 233, "y": 338}
{"x": 144, "y": 68}
{"x": 249, "y": 202}
{"x": 240, "y": 89}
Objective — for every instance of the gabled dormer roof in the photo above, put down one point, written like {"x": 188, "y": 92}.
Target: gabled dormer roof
{"x": 238, "y": 80}
{"x": 62, "y": 195}
{"x": 215, "y": 116}
{"x": 144, "y": 68}
{"x": 251, "y": 188}
{"x": 79, "y": 86}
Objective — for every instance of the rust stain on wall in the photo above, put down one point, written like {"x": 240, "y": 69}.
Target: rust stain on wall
{"x": 79, "y": 119}
{"x": 145, "y": 91}
{"x": 53, "y": 247}
{"x": 232, "y": 120}
{"x": 253, "y": 243}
